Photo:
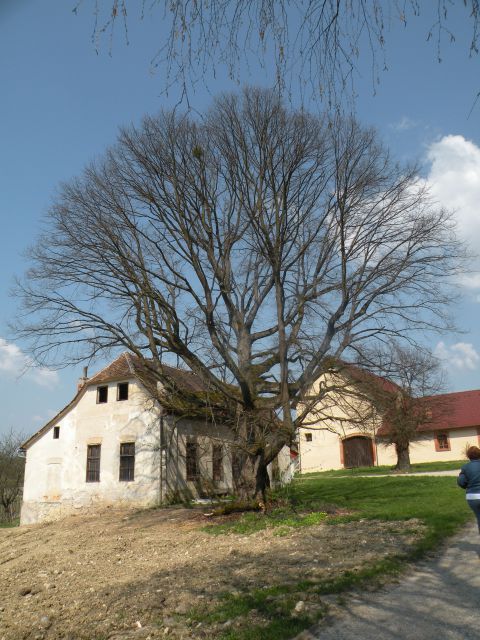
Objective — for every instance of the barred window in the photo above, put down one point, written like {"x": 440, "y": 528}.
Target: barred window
{"x": 192, "y": 461}
{"x": 93, "y": 463}
{"x": 217, "y": 462}
{"x": 127, "y": 461}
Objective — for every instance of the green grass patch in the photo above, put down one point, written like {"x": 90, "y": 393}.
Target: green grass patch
{"x": 282, "y": 520}
{"x": 450, "y": 465}
{"x": 435, "y": 501}
{"x": 273, "y": 605}
{"x": 12, "y": 523}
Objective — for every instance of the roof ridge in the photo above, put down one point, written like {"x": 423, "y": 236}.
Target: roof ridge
{"x": 107, "y": 366}
{"x": 451, "y": 393}
{"x": 128, "y": 358}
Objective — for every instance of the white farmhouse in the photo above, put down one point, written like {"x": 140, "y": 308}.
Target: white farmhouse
{"x": 115, "y": 444}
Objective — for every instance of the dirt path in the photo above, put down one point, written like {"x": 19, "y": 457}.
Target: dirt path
{"x": 121, "y": 575}
{"x": 440, "y": 600}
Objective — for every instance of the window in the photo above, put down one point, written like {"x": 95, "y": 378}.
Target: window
{"x": 192, "y": 461}
{"x": 122, "y": 391}
{"x": 236, "y": 464}
{"x": 93, "y": 463}
{"x": 442, "y": 442}
{"x": 102, "y": 395}
{"x": 127, "y": 461}
{"x": 56, "y": 433}
{"x": 217, "y": 463}
{"x": 308, "y": 437}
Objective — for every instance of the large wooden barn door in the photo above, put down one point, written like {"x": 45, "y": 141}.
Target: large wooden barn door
{"x": 357, "y": 452}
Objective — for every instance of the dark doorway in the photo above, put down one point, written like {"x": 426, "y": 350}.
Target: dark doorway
{"x": 358, "y": 452}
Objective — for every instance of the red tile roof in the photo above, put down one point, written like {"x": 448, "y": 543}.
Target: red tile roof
{"x": 360, "y": 375}
{"x": 453, "y": 410}
{"x": 448, "y": 411}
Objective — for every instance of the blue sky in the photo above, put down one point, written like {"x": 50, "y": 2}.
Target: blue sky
{"x": 62, "y": 103}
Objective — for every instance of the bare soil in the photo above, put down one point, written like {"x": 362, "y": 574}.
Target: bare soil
{"x": 117, "y": 574}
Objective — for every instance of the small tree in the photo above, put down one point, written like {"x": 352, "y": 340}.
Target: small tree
{"x": 418, "y": 374}
{"x": 12, "y": 466}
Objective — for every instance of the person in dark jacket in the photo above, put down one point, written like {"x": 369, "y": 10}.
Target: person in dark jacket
{"x": 469, "y": 479}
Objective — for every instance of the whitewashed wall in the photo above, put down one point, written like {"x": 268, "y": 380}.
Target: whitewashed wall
{"x": 55, "y": 474}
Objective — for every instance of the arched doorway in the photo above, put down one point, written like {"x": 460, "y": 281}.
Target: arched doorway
{"x": 358, "y": 452}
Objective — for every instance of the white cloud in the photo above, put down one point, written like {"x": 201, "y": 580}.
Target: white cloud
{"x": 461, "y": 355}
{"x": 454, "y": 180}
{"x": 404, "y": 124}
{"x": 15, "y": 364}
{"x": 471, "y": 281}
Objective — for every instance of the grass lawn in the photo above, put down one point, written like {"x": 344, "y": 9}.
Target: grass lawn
{"x": 435, "y": 501}
{"x": 415, "y": 468}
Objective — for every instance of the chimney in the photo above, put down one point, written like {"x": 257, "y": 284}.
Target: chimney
{"x": 83, "y": 380}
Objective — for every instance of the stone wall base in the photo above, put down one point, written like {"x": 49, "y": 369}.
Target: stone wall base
{"x": 36, "y": 512}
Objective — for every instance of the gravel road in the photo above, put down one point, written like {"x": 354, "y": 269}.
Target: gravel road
{"x": 439, "y": 600}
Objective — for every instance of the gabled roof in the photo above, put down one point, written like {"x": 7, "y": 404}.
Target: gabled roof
{"x": 369, "y": 379}
{"x": 446, "y": 411}
{"x": 457, "y": 410}
{"x": 126, "y": 367}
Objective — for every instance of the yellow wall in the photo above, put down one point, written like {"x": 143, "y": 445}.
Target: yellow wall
{"x": 324, "y": 450}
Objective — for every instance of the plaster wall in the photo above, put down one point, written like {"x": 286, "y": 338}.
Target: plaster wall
{"x": 55, "y": 473}
{"x": 340, "y": 413}
{"x": 423, "y": 449}
{"x": 323, "y": 452}
{"x": 206, "y": 435}
{"x": 336, "y": 418}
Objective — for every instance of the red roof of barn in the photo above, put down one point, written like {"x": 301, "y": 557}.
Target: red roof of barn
{"x": 360, "y": 375}
{"x": 448, "y": 411}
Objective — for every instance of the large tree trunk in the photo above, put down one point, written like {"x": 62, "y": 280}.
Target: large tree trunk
{"x": 403, "y": 457}
{"x": 250, "y": 475}
{"x": 257, "y": 444}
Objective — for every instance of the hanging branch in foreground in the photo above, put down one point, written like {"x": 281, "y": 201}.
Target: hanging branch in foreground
{"x": 311, "y": 46}
{"x": 258, "y": 246}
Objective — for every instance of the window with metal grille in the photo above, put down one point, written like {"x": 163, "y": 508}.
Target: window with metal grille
{"x": 122, "y": 391}
{"x": 102, "y": 395}
{"x": 127, "y": 461}
{"x": 56, "y": 433}
{"x": 192, "y": 461}
{"x": 217, "y": 462}
{"x": 93, "y": 463}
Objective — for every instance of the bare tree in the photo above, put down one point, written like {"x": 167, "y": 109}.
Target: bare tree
{"x": 12, "y": 466}
{"x": 313, "y": 45}
{"x": 255, "y": 245}
{"x": 418, "y": 374}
